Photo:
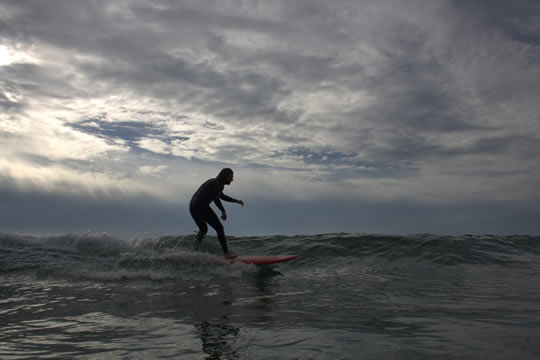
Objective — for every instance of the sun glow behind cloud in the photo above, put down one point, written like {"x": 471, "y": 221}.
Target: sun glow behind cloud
{"x": 5, "y": 57}
{"x": 17, "y": 54}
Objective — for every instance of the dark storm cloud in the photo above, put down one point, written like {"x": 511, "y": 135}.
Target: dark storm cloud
{"x": 518, "y": 20}
{"x": 63, "y": 23}
{"x": 507, "y": 35}
{"x": 527, "y": 147}
{"x": 202, "y": 15}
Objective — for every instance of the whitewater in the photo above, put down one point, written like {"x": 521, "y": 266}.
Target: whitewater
{"x": 346, "y": 296}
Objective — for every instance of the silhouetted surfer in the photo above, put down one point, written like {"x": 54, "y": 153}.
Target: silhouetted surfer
{"x": 199, "y": 207}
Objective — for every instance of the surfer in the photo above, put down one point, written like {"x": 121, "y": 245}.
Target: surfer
{"x": 202, "y": 213}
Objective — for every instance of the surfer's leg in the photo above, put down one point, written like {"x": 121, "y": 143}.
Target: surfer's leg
{"x": 199, "y": 218}
{"x": 198, "y": 239}
{"x": 214, "y": 222}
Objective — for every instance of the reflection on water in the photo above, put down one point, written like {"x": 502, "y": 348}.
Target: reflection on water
{"x": 218, "y": 339}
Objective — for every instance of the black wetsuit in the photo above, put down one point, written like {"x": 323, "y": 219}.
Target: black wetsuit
{"x": 199, "y": 207}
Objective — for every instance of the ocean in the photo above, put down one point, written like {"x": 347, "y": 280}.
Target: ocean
{"x": 346, "y": 296}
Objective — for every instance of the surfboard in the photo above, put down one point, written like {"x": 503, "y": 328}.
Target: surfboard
{"x": 260, "y": 259}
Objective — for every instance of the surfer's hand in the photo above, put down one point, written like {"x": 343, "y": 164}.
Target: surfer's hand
{"x": 223, "y": 216}
{"x": 240, "y": 202}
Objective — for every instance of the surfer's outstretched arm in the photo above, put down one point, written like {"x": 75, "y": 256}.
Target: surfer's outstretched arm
{"x": 222, "y": 196}
{"x": 226, "y": 198}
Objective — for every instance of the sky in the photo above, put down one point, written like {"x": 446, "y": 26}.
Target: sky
{"x": 360, "y": 116}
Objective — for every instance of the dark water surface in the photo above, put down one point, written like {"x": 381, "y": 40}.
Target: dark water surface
{"x": 347, "y": 296}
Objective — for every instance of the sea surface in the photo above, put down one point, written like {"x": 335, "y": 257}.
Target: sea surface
{"x": 346, "y": 296}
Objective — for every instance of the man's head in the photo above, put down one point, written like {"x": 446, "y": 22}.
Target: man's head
{"x": 226, "y": 176}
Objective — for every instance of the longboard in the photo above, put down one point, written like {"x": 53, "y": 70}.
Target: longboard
{"x": 260, "y": 259}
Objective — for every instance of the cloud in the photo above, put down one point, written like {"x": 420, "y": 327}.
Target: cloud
{"x": 60, "y": 179}
{"x": 153, "y": 170}
{"x": 366, "y": 100}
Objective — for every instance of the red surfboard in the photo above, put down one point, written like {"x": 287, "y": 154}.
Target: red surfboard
{"x": 261, "y": 259}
